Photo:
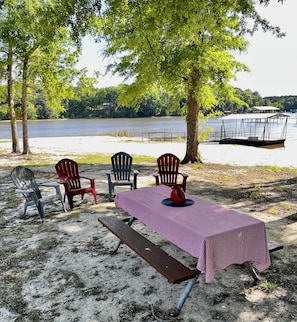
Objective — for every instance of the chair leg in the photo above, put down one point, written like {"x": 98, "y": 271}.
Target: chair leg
{"x": 59, "y": 194}
{"x": 110, "y": 190}
{"x": 70, "y": 201}
{"x": 25, "y": 209}
{"x": 40, "y": 210}
{"x": 63, "y": 204}
{"x": 95, "y": 196}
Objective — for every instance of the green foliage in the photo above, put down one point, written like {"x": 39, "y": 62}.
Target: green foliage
{"x": 267, "y": 286}
{"x": 180, "y": 46}
{"x": 102, "y": 102}
{"x": 40, "y": 40}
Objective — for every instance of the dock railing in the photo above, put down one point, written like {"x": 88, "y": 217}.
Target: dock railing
{"x": 164, "y": 136}
{"x": 170, "y": 136}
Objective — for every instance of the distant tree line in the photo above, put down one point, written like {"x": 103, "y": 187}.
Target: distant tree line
{"x": 102, "y": 103}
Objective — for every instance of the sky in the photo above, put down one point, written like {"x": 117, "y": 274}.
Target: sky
{"x": 272, "y": 61}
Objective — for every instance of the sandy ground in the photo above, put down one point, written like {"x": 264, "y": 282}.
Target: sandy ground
{"x": 210, "y": 153}
{"x": 61, "y": 270}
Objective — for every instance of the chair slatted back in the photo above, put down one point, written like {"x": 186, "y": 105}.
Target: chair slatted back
{"x": 67, "y": 169}
{"x": 23, "y": 178}
{"x": 168, "y": 165}
{"x": 121, "y": 166}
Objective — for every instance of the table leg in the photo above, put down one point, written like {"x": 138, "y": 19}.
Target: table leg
{"x": 119, "y": 243}
{"x": 184, "y": 295}
{"x": 253, "y": 272}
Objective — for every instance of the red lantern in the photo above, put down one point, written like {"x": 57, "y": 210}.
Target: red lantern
{"x": 177, "y": 196}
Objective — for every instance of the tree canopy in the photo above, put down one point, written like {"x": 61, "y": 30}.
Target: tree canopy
{"x": 183, "y": 46}
{"x": 40, "y": 42}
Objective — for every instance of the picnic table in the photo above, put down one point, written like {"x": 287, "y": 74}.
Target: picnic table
{"x": 215, "y": 235}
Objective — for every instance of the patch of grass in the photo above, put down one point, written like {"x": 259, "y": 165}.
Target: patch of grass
{"x": 5, "y": 250}
{"x": 286, "y": 205}
{"x": 46, "y": 159}
{"x": 293, "y": 217}
{"x": 33, "y": 273}
{"x": 35, "y": 315}
{"x": 273, "y": 211}
{"x": 253, "y": 194}
{"x": 270, "y": 167}
{"x": 12, "y": 199}
{"x": 180, "y": 139}
{"x": 142, "y": 158}
{"x": 278, "y": 169}
{"x": 92, "y": 158}
{"x": 48, "y": 227}
{"x": 97, "y": 158}
{"x": 119, "y": 133}
{"x": 73, "y": 279}
{"x": 267, "y": 286}
{"x": 197, "y": 166}
{"x": 48, "y": 243}
{"x": 123, "y": 133}
{"x": 230, "y": 179}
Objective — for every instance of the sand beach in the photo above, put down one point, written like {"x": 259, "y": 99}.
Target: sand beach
{"x": 61, "y": 270}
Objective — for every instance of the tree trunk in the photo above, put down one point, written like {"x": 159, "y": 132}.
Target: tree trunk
{"x": 10, "y": 102}
{"x": 192, "y": 121}
{"x": 26, "y": 149}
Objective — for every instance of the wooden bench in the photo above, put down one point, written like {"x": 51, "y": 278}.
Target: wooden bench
{"x": 274, "y": 246}
{"x": 173, "y": 270}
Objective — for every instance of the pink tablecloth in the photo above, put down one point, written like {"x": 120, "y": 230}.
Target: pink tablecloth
{"x": 216, "y": 235}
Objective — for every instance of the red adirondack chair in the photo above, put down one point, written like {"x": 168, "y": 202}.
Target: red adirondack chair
{"x": 168, "y": 173}
{"x": 68, "y": 173}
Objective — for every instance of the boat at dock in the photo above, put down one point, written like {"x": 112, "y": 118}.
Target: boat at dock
{"x": 254, "y": 129}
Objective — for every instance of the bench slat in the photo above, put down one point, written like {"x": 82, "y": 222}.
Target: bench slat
{"x": 173, "y": 270}
{"x": 274, "y": 246}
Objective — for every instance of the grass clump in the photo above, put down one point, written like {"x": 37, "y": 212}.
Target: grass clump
{"x": 230, "y": 179}
{"x": 268, "y": 286}
{"x": 286, "y": 206}
{"x": 273, "y": 211}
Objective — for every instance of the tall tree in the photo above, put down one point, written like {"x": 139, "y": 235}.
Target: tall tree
{"x": 184, "y": 46}
{"x": 44, "y": 37}
{"x": 7, "y": 40}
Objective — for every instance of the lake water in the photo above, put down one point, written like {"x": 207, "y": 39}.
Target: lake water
{"x": 82, "y": 127}
{"x": 211, "y": 152}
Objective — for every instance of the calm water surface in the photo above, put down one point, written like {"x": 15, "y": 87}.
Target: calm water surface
{"x": 137, "y": 126}
{"x": 82, "y": 127}
{"x": 284, "y": 156}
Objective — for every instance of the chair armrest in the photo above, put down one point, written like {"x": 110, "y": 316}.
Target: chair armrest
{"x": 62, "y": 181}
{"x": 87, "y": 177}
{"x": 24, "y": 190}
{"x": 183, "y": 174}
{"x": 156, "y": 175}
{"x": 92, "y": 180}
{"x": 50, "y": 184}
{"x": 135, "y": 174}
{"x": 185, "y": 177}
